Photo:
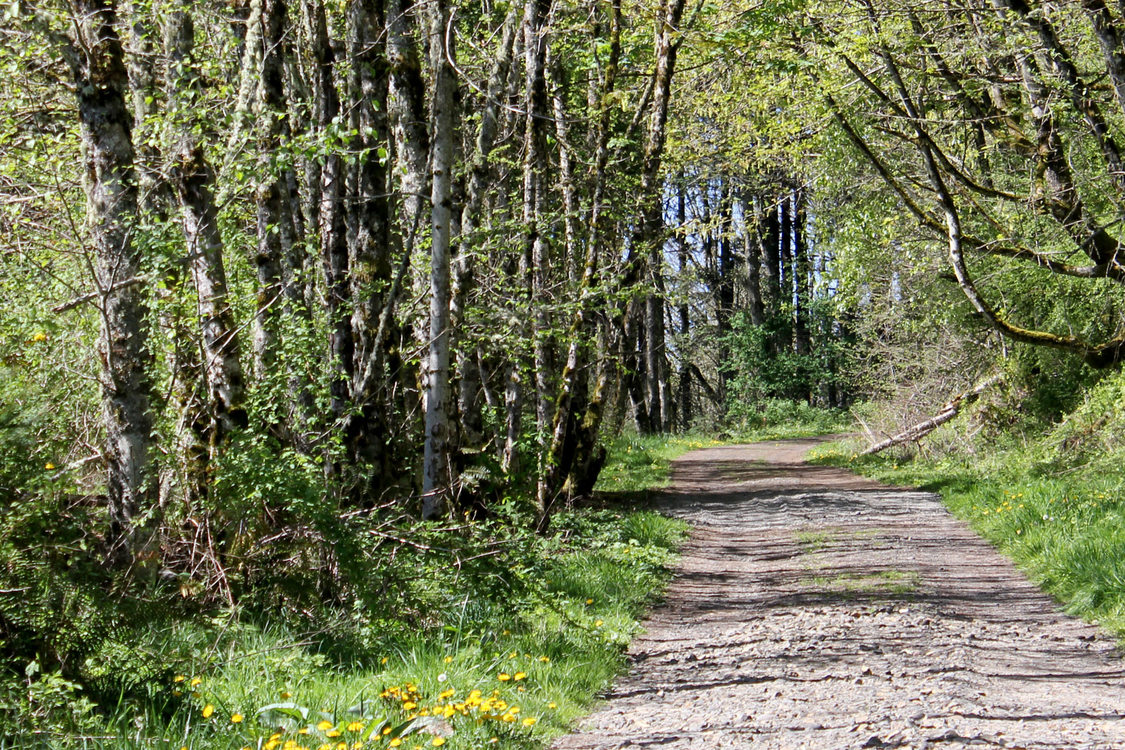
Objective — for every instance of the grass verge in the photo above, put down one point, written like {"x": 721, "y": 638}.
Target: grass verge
{"x": 1064, "y": 528}
{"x": 503, "y": 640}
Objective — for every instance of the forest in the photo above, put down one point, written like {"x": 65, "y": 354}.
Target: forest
{"x": 341, "y": 338}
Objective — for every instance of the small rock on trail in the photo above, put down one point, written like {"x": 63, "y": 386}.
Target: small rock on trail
{"x": 815, "y": 609}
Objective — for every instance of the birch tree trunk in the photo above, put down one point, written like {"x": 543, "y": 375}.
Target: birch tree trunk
{"x": 436, "y": 468}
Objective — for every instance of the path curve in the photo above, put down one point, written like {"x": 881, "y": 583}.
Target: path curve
{"x": 816, "y": 609}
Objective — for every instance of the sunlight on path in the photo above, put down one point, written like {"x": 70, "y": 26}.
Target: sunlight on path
{"x": 816, "y": 609}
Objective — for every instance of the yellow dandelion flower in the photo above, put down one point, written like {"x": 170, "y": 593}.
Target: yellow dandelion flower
{"x": 409, "y": 706}
{"x": 552, "y": 704}
{"x": 39, "y": 337}
{"x": 589, "y": 601}
{"x": 544, "y": 659}
{"x": 508, "y": 718}
{"x": 529, "y": 721}
{"x": 196, "y": 681}
{"x": 386, "y": 731}
{"x": 355, "y": 726}
{"x": 598, "y": 623}
{"x": 504, "y": 677}
{"x": 449, "y": 660}
{"x": 325, "y": 746}
{"x": 285, "y": 694}
{"x": 519, "y": 676}
{"x": 438, "y": 741}
{"x": 236, "y": 718}
{"x": 341, "y": 746}
{"x": 332, "y": 733}
{"x": 383, "y": 660}
{"x": 208, "y": 710}
{"x": 178, "y": 678}
{"x": 446, "y": 693}
{"x": 303, "y": 730}
{"x": 323, "y": 725}
{"x": 395, "y": 742}
{"x": 513, "y": 655}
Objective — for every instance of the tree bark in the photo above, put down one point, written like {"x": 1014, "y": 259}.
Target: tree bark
{"x": 194, "y": 182}
{"x": 751, "y": 247}
{"x": 101, "y": 84}
{"x": 469, "y": 385}
{"x": 437, "y": 480}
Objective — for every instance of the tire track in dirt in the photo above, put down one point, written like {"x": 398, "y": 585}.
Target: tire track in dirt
{"x": 816, "y": 609}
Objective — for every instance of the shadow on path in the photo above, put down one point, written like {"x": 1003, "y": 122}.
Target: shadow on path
{"x": 816, "y": 609}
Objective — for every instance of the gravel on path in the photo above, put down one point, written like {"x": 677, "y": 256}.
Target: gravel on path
{"x": 815, "y": 609}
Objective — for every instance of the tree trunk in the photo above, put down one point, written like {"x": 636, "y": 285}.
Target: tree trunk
{"x": 437, "y": 468}
{"x": 469, "y": 386}
{"x": 194, "y": 181}
{"x": 274, "y": 203}
{"x": 101, "y": 84}
{"x": 751, "y": 246}
{"x": 369, "y": 262}
{"x": 536, "y": 248}
{"x": 649, "y": 242}
{"x": 684, "y": 312}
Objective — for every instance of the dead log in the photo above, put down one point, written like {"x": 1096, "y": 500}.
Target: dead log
{"x": 950, "y": 410}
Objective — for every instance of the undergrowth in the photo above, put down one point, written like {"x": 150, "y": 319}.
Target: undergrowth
{"x": 474, "y": 634}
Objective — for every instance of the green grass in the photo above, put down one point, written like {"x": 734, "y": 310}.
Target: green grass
{"x": 639, "y": 463}
{"x": 1065, "y": 528}
{"x": 542, "y": 628}
{"x": 887, "y": 582}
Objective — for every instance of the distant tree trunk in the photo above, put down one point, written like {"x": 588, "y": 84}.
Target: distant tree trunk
{"x": 684, "y": 312}
{"x": 101, "y": 84}
{"x": 194, "y": 183}
{"x": 437, "y": 481}
{"x": 785, "y": 300}
{"x": 724, "y": 284}
{"x": 753, "y": 253}
{"x": 771, "y": 264}
{"x": 649, "y": 241}
{"x": 802, "y": 275}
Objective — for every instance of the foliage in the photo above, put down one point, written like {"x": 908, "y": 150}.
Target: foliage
{"x": 535, "y": 624}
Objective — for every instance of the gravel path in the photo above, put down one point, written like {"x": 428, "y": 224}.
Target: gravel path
{"x": 815, "y": 609}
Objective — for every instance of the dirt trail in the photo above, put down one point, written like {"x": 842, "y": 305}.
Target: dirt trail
{"x": 815, "y": 609}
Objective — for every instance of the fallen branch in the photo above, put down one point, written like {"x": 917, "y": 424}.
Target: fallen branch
{"x": 950, "y": 410}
